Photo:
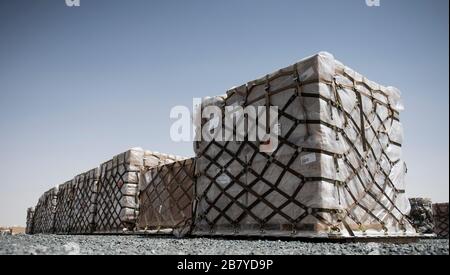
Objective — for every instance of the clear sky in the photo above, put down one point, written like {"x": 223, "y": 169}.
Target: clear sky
{"x": 78, "y": 85}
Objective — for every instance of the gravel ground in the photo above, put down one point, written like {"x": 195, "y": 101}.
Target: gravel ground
{"x": 52, "y": 244}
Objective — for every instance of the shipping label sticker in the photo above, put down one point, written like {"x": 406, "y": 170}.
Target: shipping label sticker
{"x": 308, "y": 158}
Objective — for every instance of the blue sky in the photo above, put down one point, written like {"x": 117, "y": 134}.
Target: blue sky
{"x": 78, "y": 85}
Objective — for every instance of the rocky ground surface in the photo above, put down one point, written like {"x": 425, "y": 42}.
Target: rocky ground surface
{"x": 53, "y": 244}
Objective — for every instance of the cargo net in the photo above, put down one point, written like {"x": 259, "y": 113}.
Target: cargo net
{"x": 44, "y": 216}
{"x": 117, "y": 200}
{"x": 440, "y": 211}
{"x": 77, "y": 204}
{"x": 336, "y": 170}
{"x": 30, "y": 218}
{"x": 166, "y": 197}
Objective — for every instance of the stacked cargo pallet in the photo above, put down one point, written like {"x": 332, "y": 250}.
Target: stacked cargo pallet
{"x": 44, "y": 215}
{"x": 85, "y": 202}
{"x": 102, "y": 200}
{"x": 63, "y": 212}
{"x": 30, "y": 220}
{"x": 118, "y": 196}
{"x": 166, "y": 196}
{"x": 440, "y": 212}
{"x": 76, "y": 204}
{"x": 337, "y": 171}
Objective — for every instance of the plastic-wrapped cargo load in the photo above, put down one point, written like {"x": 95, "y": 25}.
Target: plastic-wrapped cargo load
{"x": 337, "y": 170}
{"x": 166, "y": 198}
{"x": 44, "y": 215}
{"x": 440, "y": 212}
{"x": 85, "y": 202}
{"x": 421, "y": 215}
{"x": 76, "y": 205}
{"x": 30, "y": 218}
{"x": 64, "y": 207}
{"x": 117, "y": 200}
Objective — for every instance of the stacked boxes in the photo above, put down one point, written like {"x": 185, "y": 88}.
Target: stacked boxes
{"x": 336, "y": 172}
{"x": 166, "y": 194}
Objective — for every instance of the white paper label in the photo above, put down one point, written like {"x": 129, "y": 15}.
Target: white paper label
{"x": 308, "y": 158}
